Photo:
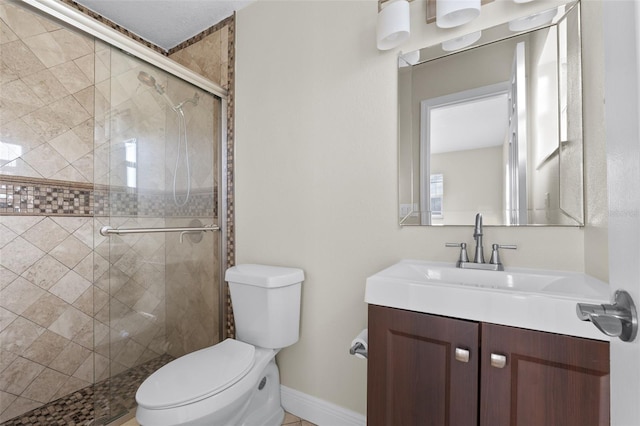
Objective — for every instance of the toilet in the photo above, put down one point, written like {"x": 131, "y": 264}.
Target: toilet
{"x": 235, "y": 382}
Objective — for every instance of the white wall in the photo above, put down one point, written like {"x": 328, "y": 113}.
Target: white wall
{"x": 473, "y": 182}
{"x": 316, "y": 177}
{"x": 595, "y": 152}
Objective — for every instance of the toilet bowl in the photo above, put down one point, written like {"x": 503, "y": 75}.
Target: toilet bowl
{"x": 235, "y": 382}
{"x": 214, "y": 386}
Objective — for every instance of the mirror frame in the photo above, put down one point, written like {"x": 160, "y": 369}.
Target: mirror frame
{"x": 569, "y": 150}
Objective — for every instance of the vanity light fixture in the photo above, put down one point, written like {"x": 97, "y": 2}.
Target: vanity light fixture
{"x": 532, "y": 21}
{"x": 461, "y": 42}
{"x": 409, "y": 58}
{"x": 453, "y": 13}
{"x": 393, "y": 24}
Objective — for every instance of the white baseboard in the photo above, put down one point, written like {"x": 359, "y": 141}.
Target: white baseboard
{"x": 318, "y": 411}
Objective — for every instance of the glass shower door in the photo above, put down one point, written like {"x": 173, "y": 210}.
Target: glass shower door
{"x": 157, "y": 166}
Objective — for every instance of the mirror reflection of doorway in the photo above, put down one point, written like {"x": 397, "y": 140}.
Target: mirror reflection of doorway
{"x": 460, "y": 129}
{"x": 462, "y": 137}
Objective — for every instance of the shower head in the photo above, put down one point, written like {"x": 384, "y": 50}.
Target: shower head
{"x": 148, "y": 80}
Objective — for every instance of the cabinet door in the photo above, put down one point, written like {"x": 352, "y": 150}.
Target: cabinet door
{"x": 413, "y": 375}
{"x": 548, "y": 379}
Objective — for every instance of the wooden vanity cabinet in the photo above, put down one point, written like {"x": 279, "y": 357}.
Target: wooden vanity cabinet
{"x": 548, "y": 379}
{"x": 412, "y": 375}
{"x": 416, "y": 376}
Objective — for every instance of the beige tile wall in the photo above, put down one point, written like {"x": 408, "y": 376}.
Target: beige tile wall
{"x": 51, "y": 312}
{"x": 209, "y": 55}
{"x": 134, "y": 310}
{"x": 47, "y": 302}
{"x": 192, "y": 291}
{"x": 46, "y": 98}
{"x": 64, "y": 116}
{"x": 47, "y": 264}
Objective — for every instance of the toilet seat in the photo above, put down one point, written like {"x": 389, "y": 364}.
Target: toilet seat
{"x": 197, "y": 375}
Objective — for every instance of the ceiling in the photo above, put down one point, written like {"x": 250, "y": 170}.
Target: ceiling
{"x": 485, "y": 123}
{"x": 165, "y": 23}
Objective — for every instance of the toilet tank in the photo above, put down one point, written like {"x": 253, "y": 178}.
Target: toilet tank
{"x": 266, "y": 304}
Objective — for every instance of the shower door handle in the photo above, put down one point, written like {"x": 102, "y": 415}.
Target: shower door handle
{"x": 105, "y": 231}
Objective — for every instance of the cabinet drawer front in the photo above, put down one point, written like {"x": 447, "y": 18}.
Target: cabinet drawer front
{"x": 422, "y": 369}
{"x": 547, "y": 379}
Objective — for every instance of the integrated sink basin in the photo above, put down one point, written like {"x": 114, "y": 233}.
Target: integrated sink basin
{"x": 527, "y": 298}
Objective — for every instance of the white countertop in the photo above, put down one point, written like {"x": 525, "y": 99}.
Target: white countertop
{"x": 527, "y": 298}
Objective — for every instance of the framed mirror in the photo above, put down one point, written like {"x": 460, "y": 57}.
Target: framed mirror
{"x": 491, "y": 123}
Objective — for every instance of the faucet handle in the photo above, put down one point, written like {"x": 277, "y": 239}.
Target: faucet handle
{"x": 495, "y": 255}
{"x": 463, "y": 252}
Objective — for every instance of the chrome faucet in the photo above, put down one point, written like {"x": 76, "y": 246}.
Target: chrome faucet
{"x": 477, "y": 235}
{"x": 478, "y": 261}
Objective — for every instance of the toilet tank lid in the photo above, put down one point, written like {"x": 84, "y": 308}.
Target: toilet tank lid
{"x": 264, "y": 275}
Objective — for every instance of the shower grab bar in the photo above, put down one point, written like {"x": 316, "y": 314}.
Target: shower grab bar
{"x": 108, "y": 230}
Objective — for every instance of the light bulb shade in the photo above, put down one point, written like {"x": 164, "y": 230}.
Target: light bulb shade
{"x": 409, "y": 59}
{"x": 453, "y": 13}
{"x": 461, "y": 42}
{"x": 533, "y": 21}
{"x": 393, "y": 24}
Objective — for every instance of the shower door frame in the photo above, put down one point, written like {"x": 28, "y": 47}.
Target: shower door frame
{"x": 118, "y": 40}
{"x": 114, "y": 38}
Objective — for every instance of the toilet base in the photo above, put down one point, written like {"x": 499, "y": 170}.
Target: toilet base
{"x": 264, "y": 407}
{"x": 255, "y": 405}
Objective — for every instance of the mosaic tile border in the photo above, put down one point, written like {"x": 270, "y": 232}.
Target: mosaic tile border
{"x": 96, "y": 404}
{"x": 229, "y": 330}
{"x": 123, "y": 202}
{"x": 43, "y": 197}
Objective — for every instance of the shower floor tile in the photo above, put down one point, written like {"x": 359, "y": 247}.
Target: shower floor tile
{"x": 93, "y": 405}
{"x": 90, "y": 406}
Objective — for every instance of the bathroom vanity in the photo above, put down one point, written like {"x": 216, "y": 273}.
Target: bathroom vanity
{"x": 446, "y": 347}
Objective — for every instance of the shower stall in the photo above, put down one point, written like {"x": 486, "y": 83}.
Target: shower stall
{"x": 112, "y": 212}
{"x": 161, "y": 137}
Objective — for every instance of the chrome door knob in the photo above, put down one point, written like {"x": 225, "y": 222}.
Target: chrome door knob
{"x": 619, "y": 319}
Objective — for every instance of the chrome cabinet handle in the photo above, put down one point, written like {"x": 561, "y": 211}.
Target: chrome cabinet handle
{"x": 498, "y": 360}
{"x": 462, "y": 355}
